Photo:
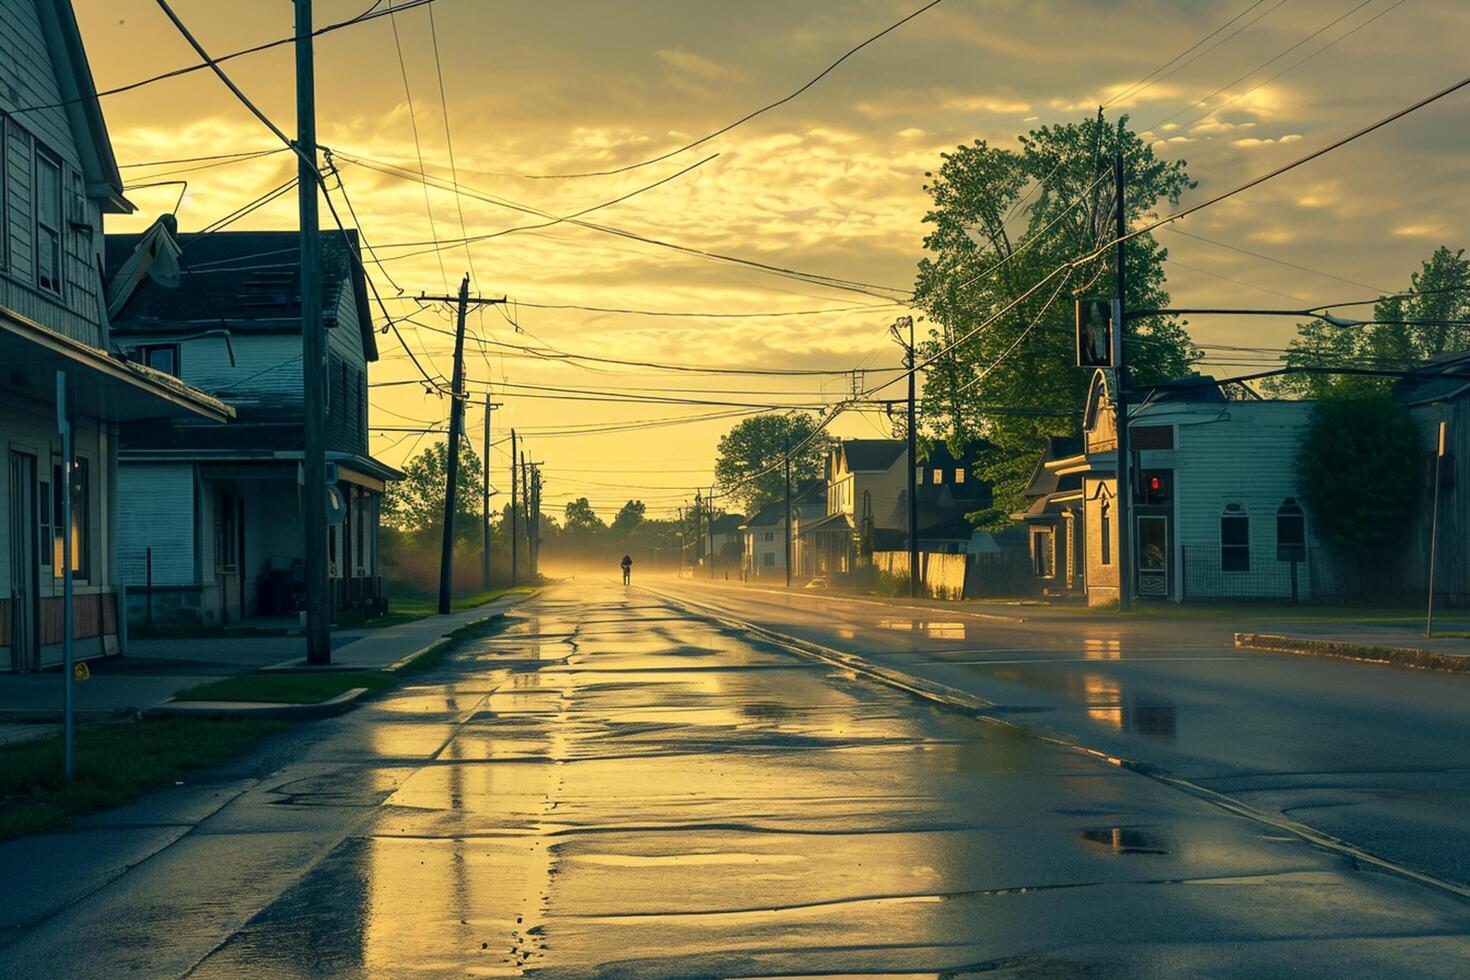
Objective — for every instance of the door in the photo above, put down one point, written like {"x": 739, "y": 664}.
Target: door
{"x": 25, "y": 564}
{"x": 1153, "y": 556}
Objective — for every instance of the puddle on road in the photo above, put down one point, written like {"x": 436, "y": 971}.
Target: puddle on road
{"x": 933, "y": 629}
{"x": 1123, "y": 840}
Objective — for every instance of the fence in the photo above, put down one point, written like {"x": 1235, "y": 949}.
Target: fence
{"x": 957, "y": 576}
{"x": 1320, "y": 577}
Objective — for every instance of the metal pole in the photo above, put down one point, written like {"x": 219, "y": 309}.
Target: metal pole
{"x": 485, "y": 504}
{"x": 514, "y": 531}
{"x": 787, "y": 532}
{"x": 313, "y": 354}
{"x": 1434, "y": 532}
{"x": 1120, "y": 401}
{"x": 451, "y": 467}
{"x": 914, "y": 583}
{"x": 64, "y": 424}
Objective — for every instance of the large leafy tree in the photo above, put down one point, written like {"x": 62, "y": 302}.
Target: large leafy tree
{"x": 415, "y": 504}
{"x": 1439, "y": 293}
{"x": 1002, "y": 221}
{"x": 581, "y": 519}
{"x": 629, "y": 516}
{"x": 757, "y": 444}
{"x": 1359, "y": 467}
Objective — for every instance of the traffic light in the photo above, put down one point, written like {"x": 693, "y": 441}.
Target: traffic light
{"x": 1094, "y": 333}
{"x": 1155, "y": 487}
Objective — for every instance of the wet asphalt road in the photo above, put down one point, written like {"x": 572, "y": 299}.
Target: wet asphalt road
{"x": 1375, "y": 755}
{"x": 614, "y": 786}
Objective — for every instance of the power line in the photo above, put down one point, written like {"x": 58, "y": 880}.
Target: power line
{"x": 748, "y": 116}
{"x": 1173, "y": 64}
{"x": 449, "y": 143}
{"x": 1271, "y": 258}
{"x": 414, "y": 125}
{"x": 207, "y": 62}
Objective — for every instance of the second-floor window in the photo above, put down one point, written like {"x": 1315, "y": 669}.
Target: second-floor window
{"x": 161, "y": 357}
{"x": 48, "y": 221}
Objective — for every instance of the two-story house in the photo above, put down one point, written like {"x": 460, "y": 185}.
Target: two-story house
{"x": 216, "y": 523}
{"x": 864, "y": 480}
{"x": 58, "y": 178}
{"x": 764, "y": 532}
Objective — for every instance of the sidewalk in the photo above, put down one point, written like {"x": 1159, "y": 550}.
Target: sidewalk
{"x": 155, "y": 669}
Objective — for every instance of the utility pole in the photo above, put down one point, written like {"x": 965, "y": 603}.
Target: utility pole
{"x": 698, "y": 534}
{"x": 485, "y": 500}
{"x": 514, "y": 532}
{"x": 451, "y": 477}
{"x": 1124, "y": 499}
{"x": 710, "y": 503}
{"x": 913, "y": 491}
{"x": 1434, "y": 530}
{"x": 681, "y": 541}
{"x": 536, "y": 522}
{"x": 313, "y": 353}
{"x": 787, "y": 534}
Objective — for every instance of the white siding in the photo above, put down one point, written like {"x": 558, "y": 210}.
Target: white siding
{"x": 156, "y": 509}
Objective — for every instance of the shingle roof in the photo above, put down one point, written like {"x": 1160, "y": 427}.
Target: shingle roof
{"x": 249, "y": 279}
{"x": 1444, "y": 377}
{"x": 726, "y": 524}
{"x": 872, "y": 454}
{"x": 769, "y": 515}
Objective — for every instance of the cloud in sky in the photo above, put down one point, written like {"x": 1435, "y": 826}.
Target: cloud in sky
{"x": 830, "y": 183}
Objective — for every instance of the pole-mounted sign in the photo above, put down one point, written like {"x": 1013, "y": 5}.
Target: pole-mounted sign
{"x": 1094, "y": 332}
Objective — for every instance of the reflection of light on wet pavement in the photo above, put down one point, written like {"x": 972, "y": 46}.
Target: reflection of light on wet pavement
{"x": 935, "y": 630}
{"x": 1102, "y": 648}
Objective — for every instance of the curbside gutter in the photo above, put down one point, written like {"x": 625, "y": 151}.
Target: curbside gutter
{"x": 257, "y": 709}
{"x": 1346, "y": 650}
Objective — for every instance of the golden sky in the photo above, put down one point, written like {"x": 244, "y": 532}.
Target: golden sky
{"x": 830, "y": 183}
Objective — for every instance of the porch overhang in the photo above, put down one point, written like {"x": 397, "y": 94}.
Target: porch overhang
{"x": 108, "y": 388}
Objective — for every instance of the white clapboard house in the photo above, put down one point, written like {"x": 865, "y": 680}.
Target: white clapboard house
{"x": 215, "y": 529}
{"x": 1218, "y": 511}
{"x": 58, "y": 178}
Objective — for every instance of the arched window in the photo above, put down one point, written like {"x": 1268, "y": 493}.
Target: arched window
{"x": 1291, "y": 531}
{"x": 1235, "y": 539}
{"x": 1105, "y": 529}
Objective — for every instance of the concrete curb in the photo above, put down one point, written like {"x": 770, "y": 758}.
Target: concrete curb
{"x": 50, "y": 716}
{"x": 1345, "y": 650}
{"x": 257, "y": 709}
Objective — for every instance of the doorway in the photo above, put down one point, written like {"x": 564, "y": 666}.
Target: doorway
{"x": 25, "y": 566}
{"x": 1153, "y": 556}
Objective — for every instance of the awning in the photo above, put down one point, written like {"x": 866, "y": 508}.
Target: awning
{"x": 108, "y": 388}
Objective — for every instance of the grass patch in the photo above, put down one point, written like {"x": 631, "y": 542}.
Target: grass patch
{"x": 284, "y": 688}
{"x": 406, "y": 607}
{"x": 114, "y": 764}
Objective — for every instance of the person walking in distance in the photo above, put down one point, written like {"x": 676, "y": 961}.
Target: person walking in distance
{"x": 627, "y": 569}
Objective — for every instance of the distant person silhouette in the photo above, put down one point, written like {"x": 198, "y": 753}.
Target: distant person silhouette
{"x": 627, "y": 564}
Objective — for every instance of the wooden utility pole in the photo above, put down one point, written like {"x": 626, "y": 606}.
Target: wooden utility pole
{"x": 451, "y": 476}
{"x": 485, "y": 500}
{"x": 710, "y": 503}
{"x": 787, "y": 532}
{"x": 514, "y": 531}
{"x": 1124, "y": 497}
{"x": 914, "y": 584}
{"x": 536, "y": 522}
{"x": 698, "y": 534}
{"x": 313, "y": 354}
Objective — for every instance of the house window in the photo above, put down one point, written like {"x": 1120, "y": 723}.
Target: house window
{"x": 1291, "y": 531}
{"x": 48, "y": 221}
{"x": 160, "y": 357}
{"x": 1105, "y": 528}
{"x": 768, "y": 558}
{"x": 919, "y": 474}
{"x": 1235, "y": 539}
{"x": 81, "y": 525}
{"x": 359, "y": 544}
{"x": 1043, "y": 552}
{"x": 959, "y": 474}
{"x": 48, "y": 526}
{"x": 936, "y": 476}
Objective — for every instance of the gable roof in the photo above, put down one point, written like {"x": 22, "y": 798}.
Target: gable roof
{"x": 248, "y": 279}
{"x": 726, "y": 524}
{"x": 772, "y": 514}
{"x": 83, "y": 109}
{"x": 1441, "y": 379}
{"x": 866, "y": 455}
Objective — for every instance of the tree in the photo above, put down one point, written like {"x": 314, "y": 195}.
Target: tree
{"x": 628, "y": 517}
{"x": 415, "y": 504}
{"x": 1439, "y": 292}
{"x": 1359, "y": 468}
{"x": 581, "y": 519}
{"x": 757, "y": 444}
{"x": 1015, "y": 355}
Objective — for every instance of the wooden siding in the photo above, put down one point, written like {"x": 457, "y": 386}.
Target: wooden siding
{"x": 93, "y": 615}
{"x": 156, "y": 509}
{"x": 26, "y": 79}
